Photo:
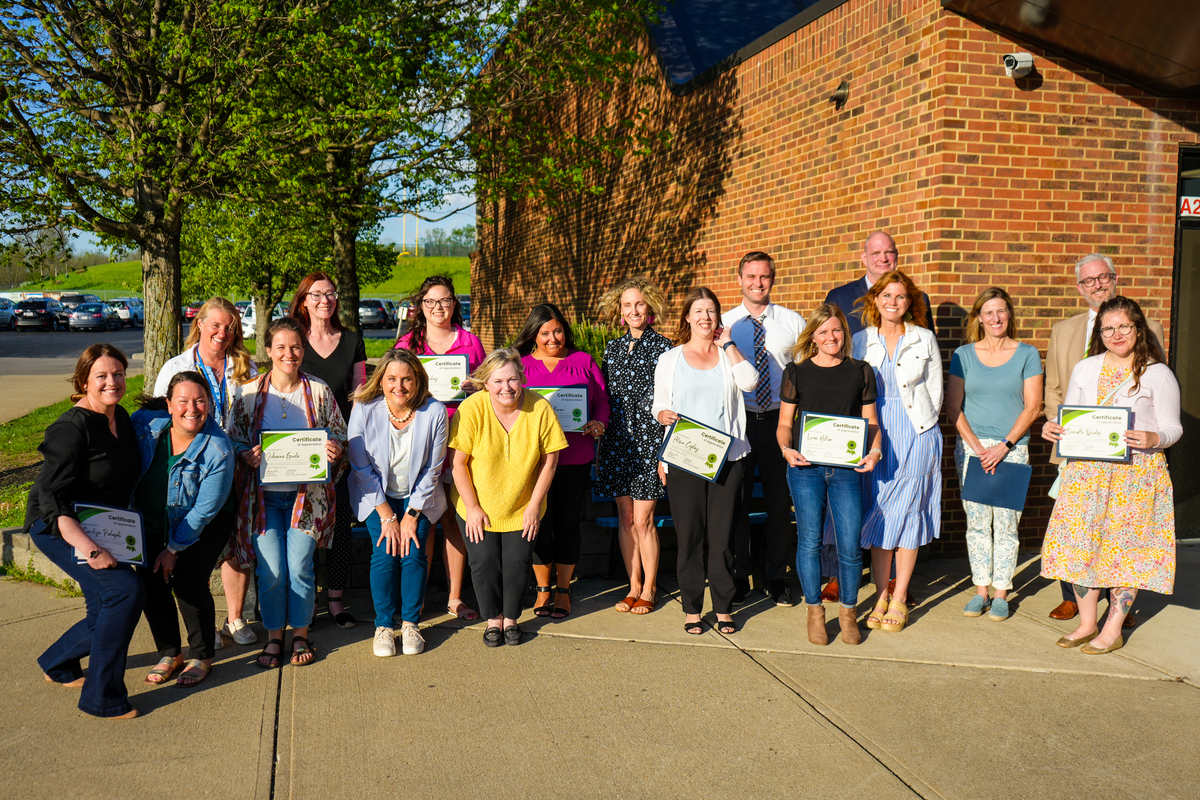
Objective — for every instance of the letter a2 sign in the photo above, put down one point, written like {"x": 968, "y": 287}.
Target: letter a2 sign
{"x": 1189, "y": 206}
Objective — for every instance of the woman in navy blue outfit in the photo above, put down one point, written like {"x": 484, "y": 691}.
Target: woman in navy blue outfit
{"x": 91, "y": 456}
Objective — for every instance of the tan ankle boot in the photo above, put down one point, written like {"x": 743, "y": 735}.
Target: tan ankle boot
{"x": 816, "y": 625}
{"x": 848, "y": 619}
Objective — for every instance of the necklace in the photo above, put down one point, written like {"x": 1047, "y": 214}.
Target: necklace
{"x": 284, "y": 399}
{"x": 398, "y": 420}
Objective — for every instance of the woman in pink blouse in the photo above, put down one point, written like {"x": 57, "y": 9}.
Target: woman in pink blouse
{"x": 548, "y": 354}
{"x": 437, "y": 329}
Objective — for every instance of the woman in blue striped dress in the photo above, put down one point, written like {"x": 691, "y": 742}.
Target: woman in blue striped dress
{"x": 903, "y": 496}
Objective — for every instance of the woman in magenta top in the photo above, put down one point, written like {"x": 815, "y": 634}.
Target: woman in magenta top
{"x": 437, "y": 329}
{"x": 548, "y": 354}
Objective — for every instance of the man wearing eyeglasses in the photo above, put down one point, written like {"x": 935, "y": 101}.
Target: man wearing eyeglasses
{"x": 1096, "y": 280}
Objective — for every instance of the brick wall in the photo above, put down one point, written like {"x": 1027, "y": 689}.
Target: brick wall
{"x": 982, "y": 180}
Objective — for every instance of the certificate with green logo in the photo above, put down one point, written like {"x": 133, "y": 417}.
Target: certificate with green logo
{"x": 447, "y": 375}
{"x": 832, "y": 440}
{"x": 117, "y": 530}
{"x": 1094, "y": 433}
{"x": 696, "y": 448}
{"x": 294, "y": 457}
{"x": 570, "y": 403}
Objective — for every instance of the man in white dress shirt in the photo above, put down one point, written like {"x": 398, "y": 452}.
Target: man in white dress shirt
{"x": 765, "y": 333}
{"x": 1096, "y": 280}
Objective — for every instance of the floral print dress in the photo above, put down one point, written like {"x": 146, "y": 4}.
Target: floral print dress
{"x": 627, "y": 464}
{"x": 1113, "y": 524}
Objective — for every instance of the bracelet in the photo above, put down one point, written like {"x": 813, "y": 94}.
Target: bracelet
{"x": 728, "y": 345}
{"x": 392, "y": 518}
{"x": 875, "y": 451}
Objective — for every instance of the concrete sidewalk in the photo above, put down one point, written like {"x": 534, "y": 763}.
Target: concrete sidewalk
{"x": 611, "y": 705}
{"x": 31, "y": 383}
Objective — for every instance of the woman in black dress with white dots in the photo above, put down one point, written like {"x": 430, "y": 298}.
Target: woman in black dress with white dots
{"x": 627, "y": 467}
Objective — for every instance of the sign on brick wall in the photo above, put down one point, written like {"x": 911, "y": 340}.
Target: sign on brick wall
{"x": 1189, "y": 206}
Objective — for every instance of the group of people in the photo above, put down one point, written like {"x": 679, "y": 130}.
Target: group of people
{"x": 506, "y": 484}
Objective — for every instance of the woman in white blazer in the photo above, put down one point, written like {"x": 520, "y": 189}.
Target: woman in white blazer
{"x": 397, "y": 441}
{"x": 903, "y": 495}
{"x": 703, "y": 378}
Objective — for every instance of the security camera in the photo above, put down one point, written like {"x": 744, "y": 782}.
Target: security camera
{"x": 1018, "y": 65}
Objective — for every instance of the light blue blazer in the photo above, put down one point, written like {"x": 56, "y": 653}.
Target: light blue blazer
{"x": 369, "y": 443}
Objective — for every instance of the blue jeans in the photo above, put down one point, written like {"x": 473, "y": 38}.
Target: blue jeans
{"x": 396, "y": 576}
{"x": 114, "y": 600}
{"x": 840, "y": 489}
{"x": 287, "y": 586}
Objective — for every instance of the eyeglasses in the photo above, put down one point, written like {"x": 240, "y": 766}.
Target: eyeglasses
{"x": 1103, "y": 280}
{"x": 316, "y": 296}
{"x": 1125, "y": 329}
{"x": 445, "y": 302}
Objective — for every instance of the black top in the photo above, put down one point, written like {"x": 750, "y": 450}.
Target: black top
{"x": 338, "y": 369}
{"x": 85, "y": 464}
{"x": 842, "y": 390}
{"x": 150, "y": 497}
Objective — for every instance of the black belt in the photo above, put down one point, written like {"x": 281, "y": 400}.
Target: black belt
{"x": 761, "y": 415}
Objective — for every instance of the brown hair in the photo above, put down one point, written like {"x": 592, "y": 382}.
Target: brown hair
{"x": 88, "y": 359}
{"x": 374, "y": 386}
{"x": 1146, "y": 350}
{"x": 298, "y": 312}
{"x": 973, "y": 327}
{"x": 417, "y": 324}
{"x": 916, "y": 313}
{"x": 285, "y": 324}
{"x": 610, "y": 303}
{"x": 236, "y": 348}
{"x": 804, "y": 347}
{"x": 162, "y": 403}
{"x": 757, "y": 255}
{"x": 683, "y": 333}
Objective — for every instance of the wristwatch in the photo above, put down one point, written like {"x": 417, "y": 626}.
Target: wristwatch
{"x": 93, "y": 554}
{"x": 412, "y": 512}
{"x": 1008, "y": 444}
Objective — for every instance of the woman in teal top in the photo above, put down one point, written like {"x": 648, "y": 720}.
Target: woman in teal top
{"x": 994, "y": 395}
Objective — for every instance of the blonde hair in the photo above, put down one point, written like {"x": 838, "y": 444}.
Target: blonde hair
{"x": 610, "y": 303}
{"x": 374, "y": 386}
{"x": 497, "y": 359}
{"x": 973, "y": 326}
{"x": 235, "y": 348}
{"x": 805, "y": 348}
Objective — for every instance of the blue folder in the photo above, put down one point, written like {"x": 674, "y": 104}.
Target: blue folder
{"x": 1007, "y": 487}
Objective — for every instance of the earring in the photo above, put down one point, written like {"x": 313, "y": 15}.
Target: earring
{"x": 651, "y": 320}
{"x": 622, "y": 320}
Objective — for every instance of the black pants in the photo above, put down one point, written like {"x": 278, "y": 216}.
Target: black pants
{"x": 190, "y": 589}
{"x": 500, "y": 567}
{"x": 339, "y": 551}
{"x": 702, "y": 509}
{"x": 558, "y": 539}
{"x": 767, "y": 547}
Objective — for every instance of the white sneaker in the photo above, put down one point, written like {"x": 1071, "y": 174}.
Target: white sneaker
{"x": 414, "y": 643}
{"x": 239, "y": 631}
{"x": 385, "y": 642}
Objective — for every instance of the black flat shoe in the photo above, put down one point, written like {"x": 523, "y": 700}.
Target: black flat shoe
{"x": 493, "y": 637}
{"x": 512, "y": 635}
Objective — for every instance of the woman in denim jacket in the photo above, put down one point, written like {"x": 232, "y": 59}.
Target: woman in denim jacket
{"x": 186, "y": 476}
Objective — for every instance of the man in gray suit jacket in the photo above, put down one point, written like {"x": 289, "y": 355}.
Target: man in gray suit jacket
{"x": 1096, "y": 279}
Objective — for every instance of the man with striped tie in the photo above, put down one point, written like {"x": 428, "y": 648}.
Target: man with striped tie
{"x": 766, "y": 333}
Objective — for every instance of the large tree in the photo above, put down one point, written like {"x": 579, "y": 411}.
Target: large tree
{"x": 115, "y": 115}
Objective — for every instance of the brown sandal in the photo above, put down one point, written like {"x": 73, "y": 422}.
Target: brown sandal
{"x": 641, "y": 606}
{"x": 302, "y": 647}
{"x": 626, "y": 604}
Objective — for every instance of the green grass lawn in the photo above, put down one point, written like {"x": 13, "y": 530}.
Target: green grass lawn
{"x": 126, "y": 277}
{"x": 19, "y": 438}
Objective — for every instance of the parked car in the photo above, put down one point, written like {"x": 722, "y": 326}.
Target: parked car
{"x": 373, "y": 314}
{"x": 393, "y": 310}
{"x": 69, "y": 302}
{"x": 86, "y": 316}
{"x": 241, "y": 306}
{"x": 248, "y": 318}
{"x": 40, "y": 313}
{"x": 130, "y": 310}
{"x": 192, "y": 310}
{"x": 8, "y": 314}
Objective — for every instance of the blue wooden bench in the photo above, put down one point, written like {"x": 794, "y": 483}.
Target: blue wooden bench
{"x": 665, "y": 520}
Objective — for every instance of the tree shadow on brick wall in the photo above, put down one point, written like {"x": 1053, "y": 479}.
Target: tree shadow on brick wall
{"x": 646, "y": 216}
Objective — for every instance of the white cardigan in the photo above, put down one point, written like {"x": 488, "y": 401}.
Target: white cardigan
{"x": 918, "y": 370}
{"x": 1155, "y": 404}
{"x": 735, "y": 379}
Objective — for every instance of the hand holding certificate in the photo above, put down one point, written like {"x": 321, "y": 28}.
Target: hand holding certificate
{"x": 696, "y": 448}
{"x": 299, "y": 456}
{"x": 117, "y": 530}
{"x": 833, "y": 441}
{"x": 570, "y": 404}
{"x": 1093, "y": 433}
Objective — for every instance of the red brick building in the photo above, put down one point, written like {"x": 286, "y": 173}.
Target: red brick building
{"x": 982, "y": 179}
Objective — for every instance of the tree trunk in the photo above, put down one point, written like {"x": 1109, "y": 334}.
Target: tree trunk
{"x": 345, "y": 237}
{"x": 163, "y": 334}
{"x": 263, "y": 307}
